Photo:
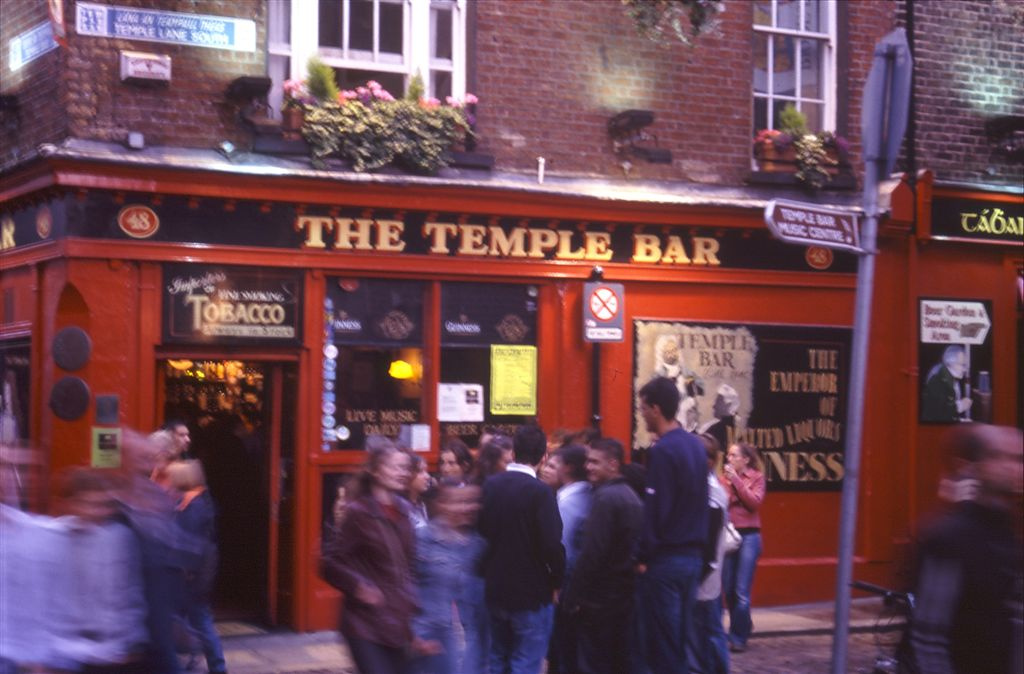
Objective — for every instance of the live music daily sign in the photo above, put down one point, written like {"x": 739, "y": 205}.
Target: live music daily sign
{"x": 813, "y": 225}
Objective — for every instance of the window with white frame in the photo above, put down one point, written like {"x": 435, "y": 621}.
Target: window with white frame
{"x": 794, "y": 61}
{"x": 384, "y": 40}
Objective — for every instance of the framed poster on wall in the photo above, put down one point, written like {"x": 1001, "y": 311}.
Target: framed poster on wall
{"x": 955, "y": 360}
{"x": 781, "y": 388}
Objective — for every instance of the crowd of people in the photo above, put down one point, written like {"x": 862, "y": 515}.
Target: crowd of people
{"x": 532, "y": 549}
{"x": 550, "y": 549}
{"x": 119, "y": 581}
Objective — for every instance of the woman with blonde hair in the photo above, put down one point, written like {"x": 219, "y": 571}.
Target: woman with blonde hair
{"x": 743, "y": 479}
{"x": 195, "y": 514}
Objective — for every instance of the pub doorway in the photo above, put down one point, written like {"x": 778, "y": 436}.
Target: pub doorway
{"x": 242, "y": 430}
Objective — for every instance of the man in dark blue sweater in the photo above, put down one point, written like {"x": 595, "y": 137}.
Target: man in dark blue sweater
{"x": 524, "y": 563}
{"x": 674, "y": 529}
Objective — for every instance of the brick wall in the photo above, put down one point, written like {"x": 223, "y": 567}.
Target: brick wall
{"x": 40, "y": 116}
{"x": 191, "y": 111}
{"x": 969, "y": 60}
{"x": 551, "y": 73}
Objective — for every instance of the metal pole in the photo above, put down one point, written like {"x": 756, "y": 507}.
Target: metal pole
{"x": 855, "y": 420}
{"x": 883, "y": 122}
{"x": 595, "y": 396}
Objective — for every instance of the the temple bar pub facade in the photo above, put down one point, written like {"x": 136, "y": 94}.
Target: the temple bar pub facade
{"x": 286, "y": 311}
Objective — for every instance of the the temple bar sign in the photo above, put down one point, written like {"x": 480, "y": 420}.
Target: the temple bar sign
{"x": 813, "y": 225}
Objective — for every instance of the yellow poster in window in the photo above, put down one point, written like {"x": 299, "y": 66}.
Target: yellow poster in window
{"x": 513, "y": 379}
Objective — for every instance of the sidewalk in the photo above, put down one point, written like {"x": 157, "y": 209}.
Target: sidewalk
{"x": 251, "y": 650}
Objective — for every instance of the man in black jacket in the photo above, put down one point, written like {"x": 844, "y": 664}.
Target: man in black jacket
{"x": 600, "y": 590}
{"x": 525, "y": 562}
{"x": 675, "y": 527}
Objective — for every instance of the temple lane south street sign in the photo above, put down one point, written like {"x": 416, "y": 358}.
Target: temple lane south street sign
{"x": 813, "y": 225}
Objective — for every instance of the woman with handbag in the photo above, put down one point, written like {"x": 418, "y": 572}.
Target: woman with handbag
{"x": 744, "y": 483}
{"x": 369, "y": 560}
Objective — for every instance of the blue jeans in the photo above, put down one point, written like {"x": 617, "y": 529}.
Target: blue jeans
{"x": 711, "y": 648}
{"x": 476, "y": 626}
{"x": 737, "y": 581}
{"x": 200, "y": 621}
{"x": 519, "y": 640}
{"x": 441, "y": 663}
{"x": 669, "y": 598}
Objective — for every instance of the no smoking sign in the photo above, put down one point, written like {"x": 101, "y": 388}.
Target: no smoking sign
{"x": 603, "y": 308}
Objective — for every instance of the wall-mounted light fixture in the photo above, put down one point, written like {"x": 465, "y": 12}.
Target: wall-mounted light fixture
{"x": 1006, "y": 136}
{"x": 627, "y": 131}
{"x": 249, "y": 93}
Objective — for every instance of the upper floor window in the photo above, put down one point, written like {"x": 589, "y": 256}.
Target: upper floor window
{"x": 384, "y": 40}
{"x": 794, "y": 61}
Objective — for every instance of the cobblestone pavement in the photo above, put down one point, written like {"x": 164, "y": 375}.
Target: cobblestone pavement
{"x": 769, "y": 655}
{"x": 810, "y": 654}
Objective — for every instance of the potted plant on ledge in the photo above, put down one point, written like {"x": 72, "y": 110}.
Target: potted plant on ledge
{"x": 814, "y": 158}
{"x": 372, "y": 129}
{"x": 295, "y": 101}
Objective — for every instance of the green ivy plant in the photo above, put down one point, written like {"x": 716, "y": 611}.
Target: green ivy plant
{"x": 372, "y": 129}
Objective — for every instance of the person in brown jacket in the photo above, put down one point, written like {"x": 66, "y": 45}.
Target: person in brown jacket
{"x": 369, "y": 561}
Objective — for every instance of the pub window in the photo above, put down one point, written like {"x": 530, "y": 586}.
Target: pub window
{"x": 794, "y": 61}
{"x": 372, "y": 361}
{"x": 488, "y": 358}
{"x": 20, "y": 466}
{"x": 384, "y": 40}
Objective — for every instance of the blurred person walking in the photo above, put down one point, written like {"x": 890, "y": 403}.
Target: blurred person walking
{"x": 675, "y": 527}
{"x": 369, "y": 560}
{"x": 743, "y": 481}
{"x": 447, "y": 549}
{"x": 195, "y": 514}
{"x": 101, "y": 591}
{"x": 168, "y": 551}
{"x": 71, "y": 594}
{"x": 573, "y": 496}
{"x": 599, "y": 593}
{"x": 970, "y": 570}
{"x": 524, "y": 562}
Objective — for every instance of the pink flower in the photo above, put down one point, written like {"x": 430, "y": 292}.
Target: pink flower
{"x": 429, "y": 102}
{"x": 452, "y": 101}
{"x": 347, "y": 95}
{"x": 471, "y": 99}
{"x": 382, "y": 94}
{"x": 374, "y": 85}
{"x": 293, "y": 87}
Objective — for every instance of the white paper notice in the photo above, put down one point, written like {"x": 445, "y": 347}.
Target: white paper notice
{"x": 460, "y": 402}
{"x": 415, "y": 436}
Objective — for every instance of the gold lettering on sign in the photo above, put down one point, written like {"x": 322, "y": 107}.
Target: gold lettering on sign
{"x": 598, "y": 246}
{"x": 472, "y": 238}
{"x": 647, "y": 249}
{"x": 447, "y": 238}
{"x": 992, "y": 222}
{"x": 541, "y": 241}
{"x": 512, "y": 244}
{"x": 438, "y": 233}
{"x": 314, "y": 227}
